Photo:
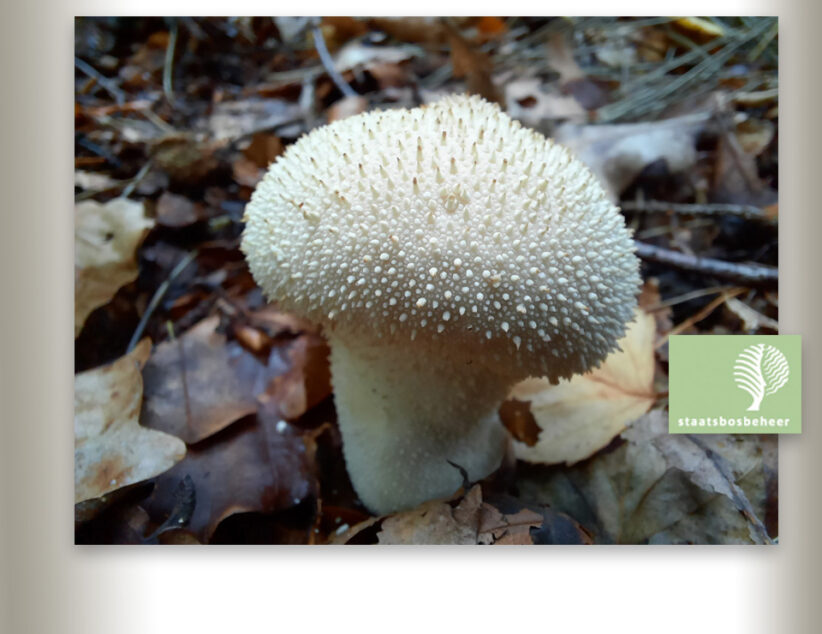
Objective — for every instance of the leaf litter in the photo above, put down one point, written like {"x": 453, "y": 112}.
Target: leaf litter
{"x": 253, "y": 455}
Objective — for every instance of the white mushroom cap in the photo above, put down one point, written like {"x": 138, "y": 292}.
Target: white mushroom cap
{"x": 447, "y": 231}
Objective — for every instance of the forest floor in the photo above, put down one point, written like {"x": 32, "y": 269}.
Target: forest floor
{"x": 219, "y": 417}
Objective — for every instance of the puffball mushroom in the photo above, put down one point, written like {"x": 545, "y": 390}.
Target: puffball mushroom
{"x": 448, "y": 253}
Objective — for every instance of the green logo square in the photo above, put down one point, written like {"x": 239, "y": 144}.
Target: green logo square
{"x": 735, "y": 384}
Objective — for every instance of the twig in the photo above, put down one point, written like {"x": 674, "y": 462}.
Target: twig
{"x": 168, "y": 67}
{"x": 109, "y": 86}
{"x": 136, "y": 180}
{"x": 751, "y": 274}
{"x": 128, "y": 184}
{"x": 686, "y": 297}
{"x": 328, "y": 63}
{"x": 749, "y": 212}
{"x": 702, "y": 314}
{"x": 157, "y": 298}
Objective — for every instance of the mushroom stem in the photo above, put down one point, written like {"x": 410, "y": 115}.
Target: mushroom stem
{"x": 403, "y": 416}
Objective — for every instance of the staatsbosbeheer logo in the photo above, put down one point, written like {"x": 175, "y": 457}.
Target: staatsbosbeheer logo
{"x": 735, "y": 384}
{"x": 761, "y": 370}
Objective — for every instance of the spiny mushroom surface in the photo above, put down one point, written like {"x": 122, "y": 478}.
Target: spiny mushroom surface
{"x": 448, "y": 253}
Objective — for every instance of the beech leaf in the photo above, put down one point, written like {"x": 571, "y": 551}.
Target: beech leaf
{"x": 579, "y": 417}
{"x": 111, "y": 449}
{"x": 106, "y": 237}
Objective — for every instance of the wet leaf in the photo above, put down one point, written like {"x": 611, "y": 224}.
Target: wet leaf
{"x": 581, "y": 416}
{"x": 198, "y": 384}
{"x": 258, "y": 465}
{"x": 308, "y": 381}
{"x": 111, "y": 449}
{"x": 106, "y": 237}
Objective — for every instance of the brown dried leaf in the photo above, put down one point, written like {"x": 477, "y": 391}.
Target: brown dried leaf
{"x": 111, "y": 449}
{"x": 581, "y": 416}
{"x": 649, "y": 300}
{"x": 519, "y": 421}
{"x": 526, "y": 101}
{"x": 755, "y": 135}
{"x": 185, "y": 157}
{"x": 662, "y": 488}
{"x": 346, "y": 107}
{"x": 618, "y": 153}
{"x": 247, "y": 172}
{"x": 106, "y": 237}
{"x": 308, "y": 381}
{"x": 275, "y": 323}
{"x": 264, "y": 149}
{"x": 513, "y": 529}
{"x": 174, "y": 210}
{"x": 472, "y": 64}
{"x": 416, "y": 30}
{"x": 261, "y": 466}
{"x": 233, "y": 119}
{"x": 198, "y": 384}
{"x": 499, "y": 521}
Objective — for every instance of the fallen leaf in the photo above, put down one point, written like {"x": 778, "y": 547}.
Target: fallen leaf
{"x": 261, "y": 466}
{"x": 526, "y": 100}
{"x": 233, "y": 119}
{"x": 307, "y": 382}
{"x": 491, "y": 27}
{"x": 346, "y": 107}
{"x": 432, "y": 523}
{"x": 174, "y": 210}
{"x": 247, "y": 172}
{"x": 186, "y": 158}
{"x": 106, "y": 237}
{"x": 472, "y": 64}
{"x": 358, "y": 54}
{"x": 561, "y": 58}
{"x": 736, "y": 176}
{"x": 617, "y": 153}
{"x": 701, "y": 26}
{"x": 198, "y": 384}
{"x": 665, "y": 488}
{"x": 519, "y": 421}
{"x": 111, "y": 449}
{"x": 579, "y": 417}
{"x": 755, "y": 135}
{"x": 264, "y": 149}
{"x": 414, "y": 29}
{"x": 93, "y": 181}
{"x": 497, "y": 528}
{"x": 467, "y": 519}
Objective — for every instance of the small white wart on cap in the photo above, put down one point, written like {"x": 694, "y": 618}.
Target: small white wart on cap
{"x": 455, "y": 237}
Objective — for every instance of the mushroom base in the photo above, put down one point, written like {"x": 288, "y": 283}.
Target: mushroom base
{"x": 405, "y": 413}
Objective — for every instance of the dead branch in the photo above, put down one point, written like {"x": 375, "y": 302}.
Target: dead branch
{"x": 749, "y": 212}
{"x": 750, "y": 274}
